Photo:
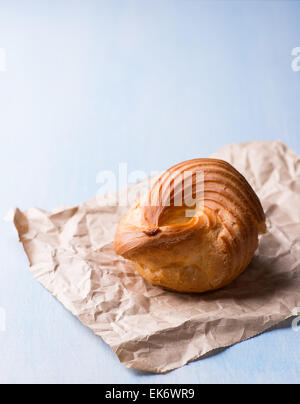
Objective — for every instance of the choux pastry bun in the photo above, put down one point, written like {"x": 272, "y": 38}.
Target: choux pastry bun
{"x": 196, "y": 230}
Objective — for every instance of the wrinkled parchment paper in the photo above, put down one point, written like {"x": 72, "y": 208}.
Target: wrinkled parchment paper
{"x": 71, "y": 254}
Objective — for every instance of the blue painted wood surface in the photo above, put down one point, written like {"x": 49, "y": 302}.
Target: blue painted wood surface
{"x": 91, "y": 84}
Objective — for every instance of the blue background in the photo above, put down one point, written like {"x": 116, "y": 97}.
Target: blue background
{"x": 90, "y": 84}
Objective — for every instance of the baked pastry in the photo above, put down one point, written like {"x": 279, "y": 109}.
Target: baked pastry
{"x": 197, "y": 228}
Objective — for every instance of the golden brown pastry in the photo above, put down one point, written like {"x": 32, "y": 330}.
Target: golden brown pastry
{"x": 196, "y": 230}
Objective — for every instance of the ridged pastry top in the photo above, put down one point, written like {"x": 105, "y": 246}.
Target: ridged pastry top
{"x": 188, "y": 197}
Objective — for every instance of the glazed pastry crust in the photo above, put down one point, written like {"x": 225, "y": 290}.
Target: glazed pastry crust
{"x": 199, "y": 247}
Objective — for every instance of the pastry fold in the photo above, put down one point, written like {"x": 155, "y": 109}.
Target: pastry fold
{"x": 197, "y": 228}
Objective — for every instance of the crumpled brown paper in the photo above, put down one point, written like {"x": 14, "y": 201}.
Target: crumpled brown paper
{"x": 71, "y": 253}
